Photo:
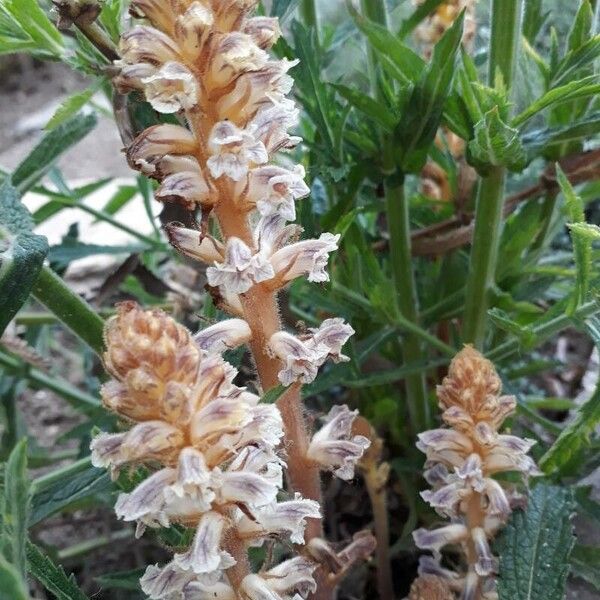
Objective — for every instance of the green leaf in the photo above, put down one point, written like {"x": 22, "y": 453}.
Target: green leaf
{"x": 585, "y": 563}
{"x": 535, "y": 546}
{"x": 36, "y": 25}
{"x": 62, "y": 254}
{"x": 121, "y": 580}
{"x": 273, "y": 394}
{"x": 575, "y": 60}
{"x": 16, "y": 506}
{"x": 52, "y": 145}
{"x": 72, "y": 105}
{"x": 51, "y": 576}
{"x": 582, "y": 243}
{"x": 570, "y": 91}
{"x": 68, "y": 491}
{"x": 365, "y": 104}
{"x": 533, "y": 19}
{"x": 502, "y": 320}
{"x": 496, "y": 144}
{"x": 587, "y": 231}
{"x": 22, "y": 254}
{"x": 543, "y": 140}
{"x": 121, "y": 197}
{"x": 283, "y": 8}
{"x": 399, "y": 60}
{"x": 420, "y": 122}
{"x": 111, "y": 15}
{"x": 582, "y": 26}
{"x": 12, "y": 586}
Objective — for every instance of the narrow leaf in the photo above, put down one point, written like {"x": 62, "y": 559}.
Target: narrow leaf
{"x": 570, "y": 91}
{"x": 51, "y": 576}
{"x": 16, "y": 505}
{"x": 582, "y": 243}
{"x": 52, "y": 145}
{"x": 535, "y": 546}
{"x": 368, "y": 106}
{"x": 12, "y": 586}
{"x": 72, "y": 105}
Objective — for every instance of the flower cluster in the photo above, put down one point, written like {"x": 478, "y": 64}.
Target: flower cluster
{"x": 462, "y": 461}
{"x": 207, "y": 62}
{"x": 215, "y": 445}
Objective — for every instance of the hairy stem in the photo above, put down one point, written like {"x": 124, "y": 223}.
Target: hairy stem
{"x": 504, "y": 40}
{"x": 72, "y": 310}
{"x": 406, "y": 294}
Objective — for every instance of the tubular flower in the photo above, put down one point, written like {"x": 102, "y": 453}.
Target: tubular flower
{"x": 214, "y": 443}
{"x": 208, "y": 61}
{"x": 461, "y": 463}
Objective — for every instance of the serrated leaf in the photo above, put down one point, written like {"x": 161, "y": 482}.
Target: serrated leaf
{"x": 52, "y": 576}
{"x": 36, "y": 25}
{"x": 70, "y": 490}
{"x": 535, "y": 546}
{"x": 588, "y": 231}
{"x": 420, "y": 122}
{"x": 575, "y": 89}
{"x": 496, "y": 144}
{"x": 585, "y": 563}
{"x": 12, "y": 586}
{"x": 52, "y": 145}
{"x": 582, "y": 243}
{"x": 72, "y": 105}
{"x": 15, "y": 514}
{"x": 377, "y": 111}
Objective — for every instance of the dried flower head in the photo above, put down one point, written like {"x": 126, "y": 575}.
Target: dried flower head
{"x": 462, "y": 461}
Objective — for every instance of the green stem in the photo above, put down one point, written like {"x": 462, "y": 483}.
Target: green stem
{"x": 544, "y": 331}
{"x": 400, "y": 249}
{"x": 72, "y": 310}
{"x": 87, "y": 546}
{"x": 310, "y": 16}
{"x": 406, "y": 295}
{"x": 40, "y": 380}
{"x": 45, "y": 481}
{"x": 504, "y": 40}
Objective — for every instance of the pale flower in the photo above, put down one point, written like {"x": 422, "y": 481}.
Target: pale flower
{"x": 172, "y": 88}
{"x": 225, "y": 335}
{"x": 233, "y": 151}
{"x": 334, "y": 447}
{"x": 240, "y": 270}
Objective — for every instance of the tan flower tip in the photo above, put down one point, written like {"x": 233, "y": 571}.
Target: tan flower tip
{"x": 429, "y": 587}
{"x": 137, "y": 338}
{"x": 471, "y": 381}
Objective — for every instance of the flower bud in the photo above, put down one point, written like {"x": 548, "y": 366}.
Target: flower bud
{"x": 193, "y": 244}
{"x": 144, "y": 44}
{"x": 224, "y": 335}
{"x": 187, "y": 188}
{"x": 135, "y": 337}
{"x": 264, "y": 31}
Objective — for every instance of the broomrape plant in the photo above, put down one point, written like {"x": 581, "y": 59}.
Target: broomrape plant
{"x": 217, "y": 443}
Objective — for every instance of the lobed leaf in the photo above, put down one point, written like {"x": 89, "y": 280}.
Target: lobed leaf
{"x": 535, "y": 546}
{"x": 496, "y": 144}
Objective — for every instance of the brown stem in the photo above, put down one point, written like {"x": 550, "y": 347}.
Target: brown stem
{"x": 237, "y": 548}
{"x": 377, "y": 495}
